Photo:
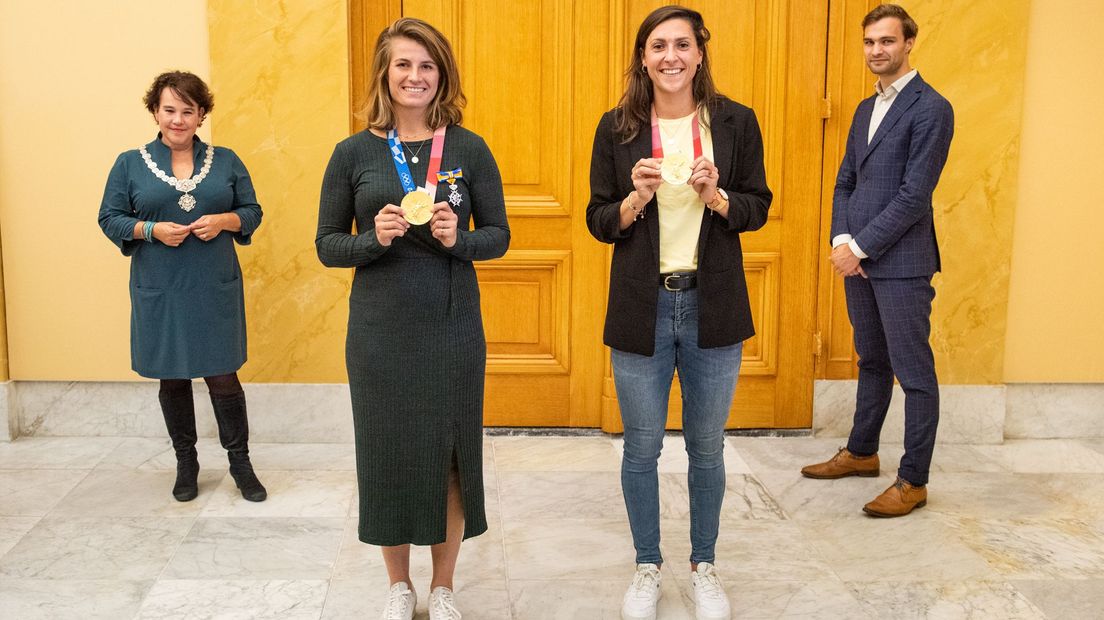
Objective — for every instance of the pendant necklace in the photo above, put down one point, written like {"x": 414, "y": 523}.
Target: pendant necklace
{"x": 413, "y": 153}
{"x": 671, "y": 138}
{"x": 187, "y": 202}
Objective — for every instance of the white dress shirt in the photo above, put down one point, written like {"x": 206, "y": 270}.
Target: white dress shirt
{"x": 885, "y": 98}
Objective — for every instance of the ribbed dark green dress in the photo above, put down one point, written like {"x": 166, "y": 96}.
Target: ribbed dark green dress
{"x": 415, "y": 349}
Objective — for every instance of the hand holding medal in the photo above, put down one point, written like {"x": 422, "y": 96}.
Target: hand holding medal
{"x": 704, "y": 179}
{"x": 647, "y": 177}
{"x": 389, "y": 223}
{"x": 443, "y": 224}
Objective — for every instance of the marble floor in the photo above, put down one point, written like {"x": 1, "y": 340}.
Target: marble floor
{"x": 89, "y": 530}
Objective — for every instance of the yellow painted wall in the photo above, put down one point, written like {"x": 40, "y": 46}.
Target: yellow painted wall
{"x": 280, "y": 71}
{"x": 72, "y": 75}
{"x": 3, "y": 316}
{"x": 973, "y": 52}
{"x": 1056, "y": 299}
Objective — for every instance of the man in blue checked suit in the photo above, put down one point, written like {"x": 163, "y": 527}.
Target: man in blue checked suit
{"x": 883, "y": 243}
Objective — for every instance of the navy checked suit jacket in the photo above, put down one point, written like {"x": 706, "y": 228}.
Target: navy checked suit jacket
{"x": 883, "y": 195}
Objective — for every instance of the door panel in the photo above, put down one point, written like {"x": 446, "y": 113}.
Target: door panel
{"x": 538, "y": 75}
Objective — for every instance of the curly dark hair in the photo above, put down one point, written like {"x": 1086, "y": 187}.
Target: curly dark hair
{"x": 183, "y": 84}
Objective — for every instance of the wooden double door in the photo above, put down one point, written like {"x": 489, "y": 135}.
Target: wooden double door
{"x": 538, "y": 75}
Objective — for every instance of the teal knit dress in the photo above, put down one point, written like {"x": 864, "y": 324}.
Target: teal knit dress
{"x": 187, "y": 303}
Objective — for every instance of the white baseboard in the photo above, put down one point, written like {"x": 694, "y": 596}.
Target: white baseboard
{"x": 973, "y": 414}
{"x": 321, "y": 413}
{"x": 278, "y": 412}
{"x": 1054, "y": 410}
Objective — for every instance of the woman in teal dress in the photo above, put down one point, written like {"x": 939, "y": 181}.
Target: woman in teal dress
{"x": 176, "y": 206}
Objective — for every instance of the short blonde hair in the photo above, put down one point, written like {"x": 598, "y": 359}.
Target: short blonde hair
{"x": 447, "y": 105}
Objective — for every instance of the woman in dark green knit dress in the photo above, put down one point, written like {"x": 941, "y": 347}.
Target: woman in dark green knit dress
{"x": 415, "y": 350}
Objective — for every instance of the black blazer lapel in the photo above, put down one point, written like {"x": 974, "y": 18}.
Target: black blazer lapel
{"x": 641, "y": 148}
{"x": 723, "y": 134}
{"x": 901, "y": 104}
{"x": 722, "y": 130}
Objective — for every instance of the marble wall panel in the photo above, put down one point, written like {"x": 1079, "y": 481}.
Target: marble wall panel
{"x": 280, "y": 72}
{"x": 1053, "y": 410}
{"x": 9, "y": 419}
{"x": 975, "y": 202}
{"x": 278, "y": 412}
{"x": 967, "y": 413}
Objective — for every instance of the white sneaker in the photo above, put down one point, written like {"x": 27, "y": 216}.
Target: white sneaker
{"x": 643, "y": 594}
{"x": 401, "y": 601}
{"x": 442, "y": 606}
{"x": 709, "y": 595}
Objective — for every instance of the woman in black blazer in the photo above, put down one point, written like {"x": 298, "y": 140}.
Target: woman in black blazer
{"x": 676, "y": 175}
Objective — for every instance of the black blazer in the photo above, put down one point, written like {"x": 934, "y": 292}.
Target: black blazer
{"x": 724, "y": 314}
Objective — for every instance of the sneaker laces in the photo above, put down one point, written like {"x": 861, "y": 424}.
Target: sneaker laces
{"x": 397, "y": 600}
{"x": 708, "y": 583}
{"x": 645, "y": 581}
{"x": 442, "y": 605}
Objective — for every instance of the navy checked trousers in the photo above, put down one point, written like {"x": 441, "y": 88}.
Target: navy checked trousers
{"x": 891, "y": 318}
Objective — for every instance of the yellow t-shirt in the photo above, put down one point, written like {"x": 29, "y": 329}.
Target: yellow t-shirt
{"x": 680, "y": 207}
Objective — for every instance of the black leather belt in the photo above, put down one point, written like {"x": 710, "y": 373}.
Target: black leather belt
{"x": 679, "y": 281}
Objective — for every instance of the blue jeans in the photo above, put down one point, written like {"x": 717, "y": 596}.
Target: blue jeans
{"x": 708, "y": 380}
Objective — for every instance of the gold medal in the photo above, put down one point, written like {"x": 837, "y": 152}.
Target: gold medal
{"x": 676, "y": 169}
{"x": 417, "y": 207}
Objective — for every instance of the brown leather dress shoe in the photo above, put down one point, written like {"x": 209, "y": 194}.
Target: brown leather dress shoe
{"x": 898, "y": 500}
{"x": 843, "y": 464}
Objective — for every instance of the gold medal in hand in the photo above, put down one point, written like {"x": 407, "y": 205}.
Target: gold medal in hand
{"x": 417, "y": 207}
{"x": 676, "y": 169}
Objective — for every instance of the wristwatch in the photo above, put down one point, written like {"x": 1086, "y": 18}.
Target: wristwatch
{"x": 719, "y": 199}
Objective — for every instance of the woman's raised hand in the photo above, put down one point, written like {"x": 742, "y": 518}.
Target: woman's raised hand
{"x": 390, "y": 224}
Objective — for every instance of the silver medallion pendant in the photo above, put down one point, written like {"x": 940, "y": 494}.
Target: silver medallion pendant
{"x": 187, "y": 202}
{"x": 414, "y": 159}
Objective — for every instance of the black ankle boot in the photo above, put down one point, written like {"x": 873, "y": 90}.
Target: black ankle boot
{"x": 187, "y": 481}
{"x": 233, "y": 426}
{"x": 179, "y": 412}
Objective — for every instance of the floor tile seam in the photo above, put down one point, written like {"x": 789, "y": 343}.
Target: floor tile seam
{"x": 24, "y": 469}
{"x": 502, "y": 530}
{"x": 165, "y": 566}
{"x": 896, "y": 581}
{"x": 333, "y": 565}
{"x": 68, "y": 493}
{"x": 499, "y": 470}
{"x": 114, "y": 446}
{"x": 853, "y": 588}
{"x": 809, "y": 542}
{"x": 138, "y": 612}
{"x": 20, "y": 539}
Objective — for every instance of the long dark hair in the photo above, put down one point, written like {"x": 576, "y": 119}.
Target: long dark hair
{"x": 634, "y": 111}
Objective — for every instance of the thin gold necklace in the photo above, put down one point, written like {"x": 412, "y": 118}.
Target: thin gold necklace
{"x": 413, "y": 153}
